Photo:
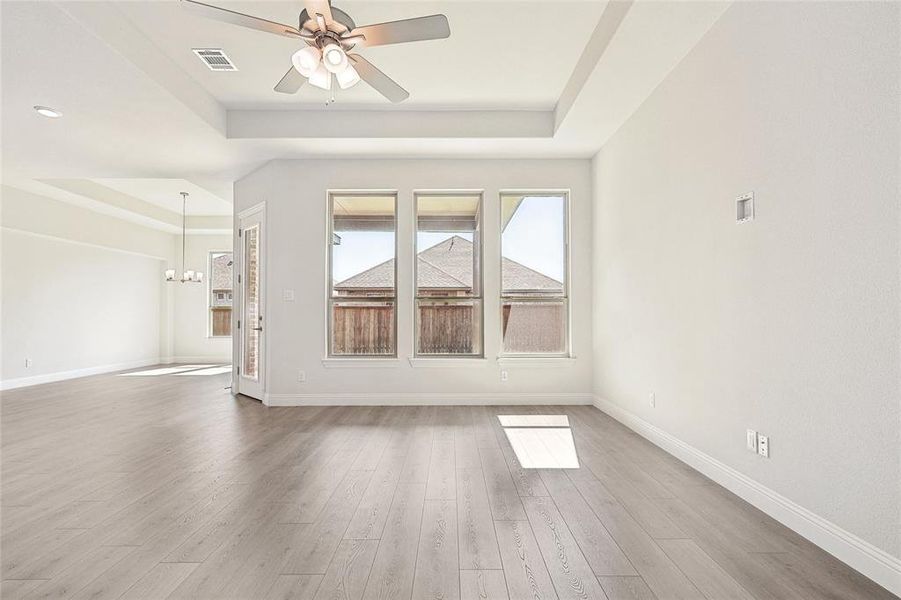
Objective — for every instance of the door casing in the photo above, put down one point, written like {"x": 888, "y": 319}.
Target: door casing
{"x": 255, "y": 215}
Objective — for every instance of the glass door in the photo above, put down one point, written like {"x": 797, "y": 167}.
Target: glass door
{"x": 251, "y": 326}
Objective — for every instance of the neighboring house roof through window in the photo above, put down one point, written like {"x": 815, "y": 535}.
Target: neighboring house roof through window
{"x": 221, "y": 272}
{"x": 448, "y": 265}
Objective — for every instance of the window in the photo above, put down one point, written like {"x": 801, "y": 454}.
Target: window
{"x": 220, "y": 305}
{"x": 362, "y": 273}
{"x": 251, "y": 300}
{"x": 533, "y": 274}
{"x": 448, "y": 274}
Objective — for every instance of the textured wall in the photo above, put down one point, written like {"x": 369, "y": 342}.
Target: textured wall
{"x": 789, "y": 324}
{"x": 296, "y": 201}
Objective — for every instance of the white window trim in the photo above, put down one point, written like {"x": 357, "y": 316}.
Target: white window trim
{"x": 356, "y": 362}
{"x": 534, "y": 359}
{"x": 329, "y": 280}
{"x": 209, "y": 294}
{"x": 537, "y": 360}
{"x": 480, "y": 298}
{"x": 443, "y": 361}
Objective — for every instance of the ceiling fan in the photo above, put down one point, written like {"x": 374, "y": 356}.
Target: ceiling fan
{"x": 330, "y": 34}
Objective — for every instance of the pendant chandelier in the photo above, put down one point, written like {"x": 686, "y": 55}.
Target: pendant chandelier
{"x": 187, "y": 276}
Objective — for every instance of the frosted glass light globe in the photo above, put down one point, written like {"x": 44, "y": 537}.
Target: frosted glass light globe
{"x": 348, "y": 77}
{"x": 306, "y": 60}
{"x": 334, "y": 58}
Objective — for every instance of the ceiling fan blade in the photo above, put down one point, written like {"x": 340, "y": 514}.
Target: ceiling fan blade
{"x": 378, "y": 80}
{"x": 291, "y": 82}
{"x": 319, "y": 7}
{"x": 236, "y": 18}
{"x": 352, "y": 39}
{"x": 434, "y": 27}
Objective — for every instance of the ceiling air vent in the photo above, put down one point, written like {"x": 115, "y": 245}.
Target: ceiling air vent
{"x": 215, "y": 59}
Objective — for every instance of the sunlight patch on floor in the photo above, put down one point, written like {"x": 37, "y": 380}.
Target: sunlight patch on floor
{"x": 164, "y": 371}
{"x": 545, "y": 448}
{"x": 533, "y": 420}
{"x": 541, "y": 441}
{"x": 209, "y": 371}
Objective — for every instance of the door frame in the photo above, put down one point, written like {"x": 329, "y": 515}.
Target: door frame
{"x": 238, "y": 332}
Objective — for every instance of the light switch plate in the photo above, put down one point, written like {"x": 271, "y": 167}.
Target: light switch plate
{"x": 652, "y": 400}
{"x": 744, "y": 208}
{"x": 763, "y": 446}
{"x": 288, "y": 295}
{"x": 751, "y": 440}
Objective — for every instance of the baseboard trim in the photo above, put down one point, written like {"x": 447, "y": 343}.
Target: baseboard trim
{"x": 878, "y": 565}
{"x": 424, "y": 399}
{"x": 20, "y": 382}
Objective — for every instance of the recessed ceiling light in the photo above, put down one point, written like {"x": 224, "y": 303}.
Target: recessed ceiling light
{"x": 48, "y": 112}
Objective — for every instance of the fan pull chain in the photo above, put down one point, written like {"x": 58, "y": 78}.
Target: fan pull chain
{"x": 331, "y": 98}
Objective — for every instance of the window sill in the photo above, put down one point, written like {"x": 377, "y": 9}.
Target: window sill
{"x": 357, "y": 363}
{"x": 443, "y": 362}
{"x": 536, "y": 361}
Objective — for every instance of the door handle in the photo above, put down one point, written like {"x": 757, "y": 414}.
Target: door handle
{"x": 257, "y": 328}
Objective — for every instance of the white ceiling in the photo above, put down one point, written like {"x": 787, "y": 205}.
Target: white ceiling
{"x": 166, "y": 193}
{"x": 144, "y": 117}
{"x": 117, "y": 121}
{"x": 499, "y": 55}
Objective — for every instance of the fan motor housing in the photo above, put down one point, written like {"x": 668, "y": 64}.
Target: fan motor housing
{"x": 337, "y": 14}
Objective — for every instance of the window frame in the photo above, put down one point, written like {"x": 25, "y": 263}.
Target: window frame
{"x": 481, "y": 282}
{"x": 330, "y": 298}
{"x": 209, "y": 295}
{"x": 567, "y": 293}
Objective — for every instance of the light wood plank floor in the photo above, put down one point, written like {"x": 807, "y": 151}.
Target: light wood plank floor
{"x": 168, "y": 487}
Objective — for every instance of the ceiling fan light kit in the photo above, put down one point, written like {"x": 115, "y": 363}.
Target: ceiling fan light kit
{"x": 306, "y": 60}
{"x": 329, "y": 34}
{"x": 321, "y": 77}
{"x": 348, "y": 77}
{"x": 335, "y": 58}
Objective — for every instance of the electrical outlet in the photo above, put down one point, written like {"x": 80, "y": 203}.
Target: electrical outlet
{"x": 288, "y": 295}
{"x": 503, "y": 376}
{"x": 302, "y": 376}
{"x": 751, "y": 440}
{"x": 652, "y": 400}
{"x": 763, "y": 446}
{"x": 28, "y": 363}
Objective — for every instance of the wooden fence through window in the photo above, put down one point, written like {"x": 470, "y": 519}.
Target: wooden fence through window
{"x": 447, "y": 328}
{"x": 362, "y": 329}
{"x": 222, "y": 320}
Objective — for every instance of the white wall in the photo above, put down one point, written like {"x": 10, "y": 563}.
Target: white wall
{"x": 80, "y": 291}
{"x": 84, "y": 292}
{"x": 789, "y": 324}
{"x": 190, "y": 331}
{"x": 32, "y": 212}
{"x": 295, "y": 196}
